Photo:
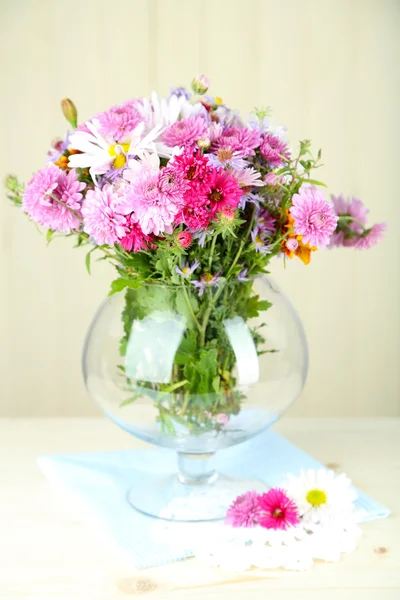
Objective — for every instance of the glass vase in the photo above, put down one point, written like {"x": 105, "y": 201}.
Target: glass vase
{"x": 196, "y": 371}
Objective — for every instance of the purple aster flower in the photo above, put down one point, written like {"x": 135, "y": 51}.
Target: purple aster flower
{"x": 273, "y": 149}
{"x": 245, "y": 511}
{"x": 187, "y": 270}
{"x": 264, "y": 221}
{"x": 101, "y": 219}
{"x": 206, "y": 280}
{"x": 53, "y": 199}
{"x": 226, "y": 157}
{"x": 202, "y": 236}
{"x": 252, "y": 199}
{"x": 314, "y": 219}
{"x": 259, "y": 240}
{"x": 243, "y": 275}
{"x": 180, "y": 91}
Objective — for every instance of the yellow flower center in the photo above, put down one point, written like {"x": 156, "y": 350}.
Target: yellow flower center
{"x": 218, "y": 100}
{"x": 207, "y": 277}
{"x": 119, "y": 161}
{"x": 185, "y": 270}
{"x": 316, "y": 497}
{"x": 225, "y": 154}
{"x": 112, "y": 151}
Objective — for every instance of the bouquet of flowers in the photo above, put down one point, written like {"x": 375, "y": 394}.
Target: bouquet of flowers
{"x": 185, "y": 199}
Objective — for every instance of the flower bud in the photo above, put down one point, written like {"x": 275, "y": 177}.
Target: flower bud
{"x": 204, "y": 143}
{"x": 292, "y": 244}
{"x": 11, "y": 183}
{"x": 200, "y": 84}
{"x": 228, "y": 214}
{"x": 184, "y": 239}
{"x": 70, "y": 112}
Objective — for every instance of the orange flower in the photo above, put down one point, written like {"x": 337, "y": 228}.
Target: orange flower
{"x": 293, "y": 245}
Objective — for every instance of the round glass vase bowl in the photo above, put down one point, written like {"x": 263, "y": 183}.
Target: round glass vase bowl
{"x": 195, "y": 371}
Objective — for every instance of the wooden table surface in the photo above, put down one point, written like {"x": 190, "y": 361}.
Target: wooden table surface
{"x": 47, "y": 554}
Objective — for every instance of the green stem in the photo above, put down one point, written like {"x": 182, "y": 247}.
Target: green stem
{"x": 190, "y": 307}
{"x": 242, "y": 243}
{"x": 351, "y": 219}
{"x": 66, "y": 206}
{"x": 212, "y": 252}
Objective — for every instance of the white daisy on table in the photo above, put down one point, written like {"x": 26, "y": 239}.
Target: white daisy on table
{"x": 321, "y": 495}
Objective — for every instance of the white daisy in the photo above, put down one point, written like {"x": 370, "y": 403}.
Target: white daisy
{"x": 321, "y": 495}
{"x": 99, "y": 155}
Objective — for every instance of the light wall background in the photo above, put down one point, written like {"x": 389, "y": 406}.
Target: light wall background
{"x": 329, "y": 69}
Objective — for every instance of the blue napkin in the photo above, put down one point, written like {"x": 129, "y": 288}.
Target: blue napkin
{"x": 100, "y": 482}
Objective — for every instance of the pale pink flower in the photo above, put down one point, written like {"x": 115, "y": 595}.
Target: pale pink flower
{"x": 173, "y": 184}
{"x": 185, "y": 132}
{"x": 117, "y": 122}
{"x": 248, "y": 178}
{"x": 241, "y": 139}
{"x": 221, "y": 419}
{"x": 371, "y": 237}
{"x": 62, "y": 212}
{"x": 244, "y": 511}
{"x": 101, "y": 219}
{"x": 314, "y": 219}
{"x": 154, "y": 210}
{"x": 277, "y": 511}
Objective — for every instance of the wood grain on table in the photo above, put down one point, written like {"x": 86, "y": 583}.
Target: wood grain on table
{"x": 48, "y": 553}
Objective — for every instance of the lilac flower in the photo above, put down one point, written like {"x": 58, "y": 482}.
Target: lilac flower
{"x": 314, "y": 219}
{"x": 252, "y": 198}
{"x": 202, "y": 236}
{"x": 243, "y": 275}
{"x": 259, "y": 238}
{"x": 187, "y": 270}
{"x": 264, "y": 221}
{"x": 248, "y": 178}
{"x": 205, "y": 281}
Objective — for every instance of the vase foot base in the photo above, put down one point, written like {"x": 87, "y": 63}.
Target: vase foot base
{"x": 168, "y": 498}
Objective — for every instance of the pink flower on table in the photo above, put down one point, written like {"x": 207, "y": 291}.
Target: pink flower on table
{"x": 224, "y": 191}
{"x": 371, "y": 237}
{"x": 221, "y": 418}
{"x": 277, "y": 510}
{"x": 314, "y": 219}
{"x": 244, "y": 511}
{"x": 119, "y": 121}
{"x": 101, "y": 219}
{"x": 240, "y": 139}
{"x": 272, "y": 148}
{"x": 185, "y": 132}
{"x": 62, "y": 212}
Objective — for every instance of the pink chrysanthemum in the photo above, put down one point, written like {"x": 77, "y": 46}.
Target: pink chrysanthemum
{"x": 351, "y": 207}
{"x": 272, "y": 149}
{"x": 194, "y": 167}
{"x": 172, "y": 183}
{"x": 185, "y": 132}
{"x": 245, "y": 511}
{"x": 60, "y": 213}
{"x": 154, "y": 210}
{"x": 241, "y": 139}
{"x": 314, "y": 219}
{"x": 372, "y": 237}
{"x": 224, "y": 191}
{"x": 118, "y": 121}
{"x": 101, "y": 219}
{"x": 194, "y": 213}
{"x": 277, "y": 511}
{"x": 134, "y": 238}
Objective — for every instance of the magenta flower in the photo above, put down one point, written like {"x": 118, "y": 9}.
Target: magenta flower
{"x": 273, "y": 149}
{"x": 371, "y": 237}
{"x": 224, "y": 191}
{"x": 118, "y": 121}
{"x": 195, "y": 169}
{"x": 101, "y": 219}
{"x": 314, "y": 219}
{"x": 134, "y": 238}
{"x": 277, "y": 511}
{"x": 244, "y": 511}
{"x": 184, "y": 239}
{"x": 185, "y": 132}
{"x": 62, "y": 212}
{"x": 194, "y": 214}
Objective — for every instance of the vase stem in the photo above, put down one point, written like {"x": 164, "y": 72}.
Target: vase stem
{"x": 196, "y": 469}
